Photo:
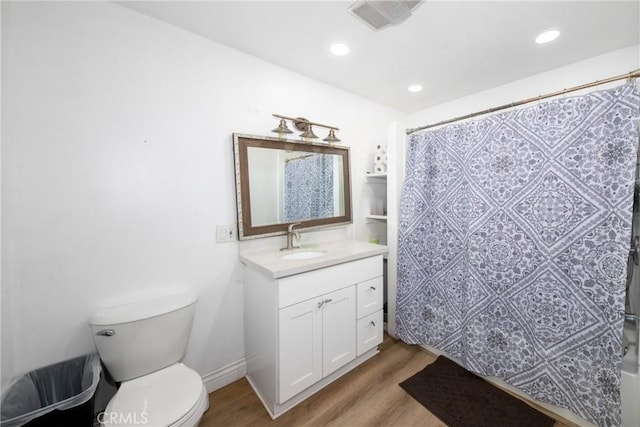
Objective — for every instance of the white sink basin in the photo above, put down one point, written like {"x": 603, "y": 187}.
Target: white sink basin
{"x": 304, "y": 255}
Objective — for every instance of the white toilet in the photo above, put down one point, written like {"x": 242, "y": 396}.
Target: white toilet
{"x": 141, "y": 345}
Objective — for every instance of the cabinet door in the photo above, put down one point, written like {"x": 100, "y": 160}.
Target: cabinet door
{"x": 300, "y": 347}
{"x": 338, "y": 329}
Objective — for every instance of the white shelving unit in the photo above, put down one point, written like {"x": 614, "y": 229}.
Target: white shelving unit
{"x": 377, "y": 183}
{"x": 383, "y": 224}
{"x": 382, "y": 175}
{"x": 377, "y": 217}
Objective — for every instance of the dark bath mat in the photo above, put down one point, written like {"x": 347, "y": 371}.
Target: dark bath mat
{"x": 462, "y": 399}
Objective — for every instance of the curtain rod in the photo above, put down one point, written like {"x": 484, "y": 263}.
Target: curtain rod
{"x": 631, "y": 75}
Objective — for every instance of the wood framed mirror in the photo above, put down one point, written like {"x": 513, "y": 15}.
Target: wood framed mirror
{"x": 281, "y": 182}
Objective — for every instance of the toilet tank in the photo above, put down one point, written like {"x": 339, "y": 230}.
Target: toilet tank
{"x": 143, "y": 337}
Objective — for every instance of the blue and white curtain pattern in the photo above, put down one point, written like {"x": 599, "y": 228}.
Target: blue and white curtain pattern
{"x": 513, "y": 244}
{"x": 308, "y": 188}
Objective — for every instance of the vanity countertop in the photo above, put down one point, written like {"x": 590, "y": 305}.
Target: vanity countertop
{"x": 272, "y": 264}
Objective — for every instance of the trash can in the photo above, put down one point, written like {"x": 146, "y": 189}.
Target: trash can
{"x": 57, "y": 395}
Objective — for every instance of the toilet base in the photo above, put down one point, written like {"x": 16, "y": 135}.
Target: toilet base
{"x": 172, "y": 397}
{"x": 192, "y": 419}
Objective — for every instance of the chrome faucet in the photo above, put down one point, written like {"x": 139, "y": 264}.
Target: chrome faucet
{"x": 290, "y": 235}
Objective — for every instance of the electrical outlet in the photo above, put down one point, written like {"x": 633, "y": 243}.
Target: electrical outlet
{"x": 225, "y": 233}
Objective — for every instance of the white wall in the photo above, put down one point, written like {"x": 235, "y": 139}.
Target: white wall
{"x": 117, "y": 165}
{"x": 614, "y": 63}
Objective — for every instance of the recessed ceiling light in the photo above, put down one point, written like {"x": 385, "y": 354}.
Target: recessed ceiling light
{"x": 414, "y": 88}
{"x": 339, "y": 49}
{"x": 547, "y": 36}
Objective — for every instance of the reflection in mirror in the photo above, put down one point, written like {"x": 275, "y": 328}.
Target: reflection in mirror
{"x": 281, "y": 182}
{"x": 294, "y": 186}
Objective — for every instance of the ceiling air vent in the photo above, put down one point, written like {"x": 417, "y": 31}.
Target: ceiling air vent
{"x": 379, "y": 14}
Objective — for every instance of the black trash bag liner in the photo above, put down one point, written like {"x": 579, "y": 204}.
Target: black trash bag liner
{"x": 61, "y": 386}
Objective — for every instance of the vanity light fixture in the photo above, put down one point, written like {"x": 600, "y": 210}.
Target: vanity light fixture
{"x": 282, "y": 129}
{"x": 331, "y": 138}
{"x": 305, "y": 126}
{"x": 308, "y": 133}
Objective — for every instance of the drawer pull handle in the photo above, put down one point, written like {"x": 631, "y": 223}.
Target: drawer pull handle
{"x": 373, "y": 323}
{"x": 326, "y": 301}
{"x": 373, "y": 288}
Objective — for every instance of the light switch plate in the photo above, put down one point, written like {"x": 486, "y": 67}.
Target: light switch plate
{"x": 225, "y": 233}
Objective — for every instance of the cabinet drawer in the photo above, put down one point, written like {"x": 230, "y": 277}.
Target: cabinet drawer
{"x": 369, "y": 297}
{"x": 300, "y": 287}
{"x": 369, "y": 332}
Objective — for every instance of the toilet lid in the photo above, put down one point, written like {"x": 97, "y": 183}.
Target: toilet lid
{"x": 157, "y": 399}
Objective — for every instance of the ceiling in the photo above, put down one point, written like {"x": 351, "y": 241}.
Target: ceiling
{"x": 451, "y": 48}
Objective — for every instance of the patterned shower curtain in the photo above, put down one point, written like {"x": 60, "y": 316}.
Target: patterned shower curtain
{"x": 513, "y": 244}
{"x": 308, "y": 188}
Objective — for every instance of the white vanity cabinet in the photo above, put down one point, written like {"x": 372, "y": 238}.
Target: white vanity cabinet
{"x": 304, "y": 330}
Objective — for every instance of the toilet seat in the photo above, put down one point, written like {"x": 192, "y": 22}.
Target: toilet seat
{"x": 173, "y": 396}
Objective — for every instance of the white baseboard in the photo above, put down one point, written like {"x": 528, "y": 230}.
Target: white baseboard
{"x": 226, "y": 375}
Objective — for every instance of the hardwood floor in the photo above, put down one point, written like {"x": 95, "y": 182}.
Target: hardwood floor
{"x": 367, "y": 396}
